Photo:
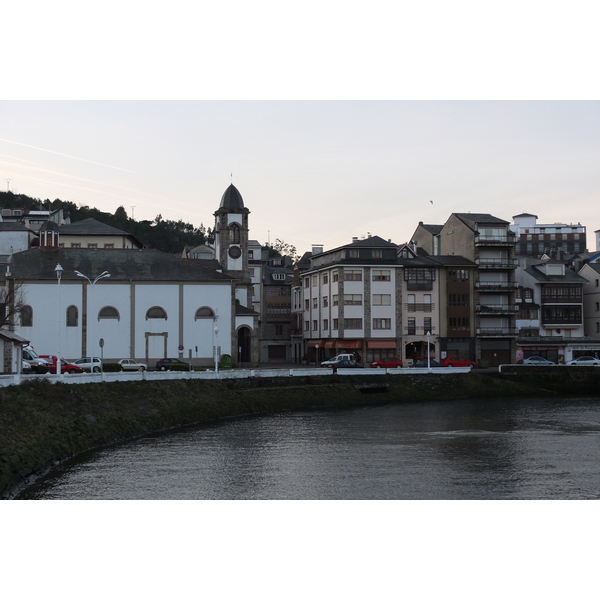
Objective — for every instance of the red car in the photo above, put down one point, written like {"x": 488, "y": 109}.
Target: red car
{"x": 65, "y": 367}
{"x": 387, "y": 363}
{"x": 458, "y": 362}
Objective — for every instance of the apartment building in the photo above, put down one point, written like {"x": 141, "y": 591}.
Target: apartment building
{"x": 551, "y": 311}
{"x": 554, "y": 240}
{"x": 591, "y": 300}
{"x": 372, "y": 299}
{"x": 488, "y": 243}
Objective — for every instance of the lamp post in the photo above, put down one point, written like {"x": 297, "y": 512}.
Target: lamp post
{"x": 216, "y": 342}
{"x": 428, "y": 353}
{"x": 102, "y": 275}
{"x": 58, "y": 270}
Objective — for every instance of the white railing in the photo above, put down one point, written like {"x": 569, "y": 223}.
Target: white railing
{"x": 6, "y": 380}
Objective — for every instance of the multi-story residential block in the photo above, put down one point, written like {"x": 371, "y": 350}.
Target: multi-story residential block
{"x": 276, "y": 310}
{"x": 487, "y": 242}
{"x": 554, "y": 240}
{"x": 372, "y": 299}
{"x": 551, "y": 311}
{"x": 591, "y": 300}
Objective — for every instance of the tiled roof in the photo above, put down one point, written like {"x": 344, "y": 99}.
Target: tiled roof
{"x": 90, "y": 227}
{"x": 484, "y": 218}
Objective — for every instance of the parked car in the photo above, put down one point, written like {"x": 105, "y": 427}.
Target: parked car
{"x": 585, "y": 360}
{"x": 165, "y": 364}
{"x": 387, "y": 363}
{"x": 65, "y": 367}
{"x": 422, "y": 364}
{"x": 458, "y": 362}
{"x": 347, "y": 364}
{"x": 128, "y": 364}
{"x": 536, "y": 360}
{"x": 336, "y": 360}
{"x": 26, "y": 367}
{"x": 93, "y": 365}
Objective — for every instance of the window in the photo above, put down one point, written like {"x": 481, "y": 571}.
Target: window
{"x": 325, "y": 324}
{"x": 419, "y": 278}
{"x": 352, "y": 323}
{"x": 597, "y": 306}
{"x": 336, "y": 323}
{"x": 315, "y": 280}
{"x": 234, "y": 233}
{"x": 315, "y": 325}
{"x": 353, "y": 299}
{"x": 325, "y": 302}
{"x": 334, "y": 299}
{"x": 306, "y": 282}
{"x": 325, "y": 278}
{"x": 382, "y": 299}
{"x": 110, "y": 312}
{"x": 353, "y": 253}
{"x": 279, "y": 276}
{"x": 382, "y": 323}
{"x": 75, "y": 245}
{"x": 336, "y": 277}
{"x": 381, "y": 274}
{"x": 307, "y": 304}
{"x": 352, "y": 275}
{"x": 427, "y": 324}
{"x": 92, "y": 245}
{"x": 412, "y": 326}
{"x": 26, "y": 316}
{"x": 277, "y": 262}
{"x": 376, "y": 253}
{"x": 204, "y": 313}
{"x": 315, "y": 303}
{"x": 72, "y": 316}
{"x": 306, "y": 325}
{"x": 156, "y": 312}
{"x": 458, "y": 323}
{"x": 597, "y": 327}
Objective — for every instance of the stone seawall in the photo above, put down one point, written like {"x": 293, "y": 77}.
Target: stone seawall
{"x": 43, "y": 424}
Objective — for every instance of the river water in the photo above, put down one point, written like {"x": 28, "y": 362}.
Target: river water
{"x": 460, "y": 449}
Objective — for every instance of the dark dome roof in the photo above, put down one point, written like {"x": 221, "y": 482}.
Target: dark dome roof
{"x": 49, "y": 226}
{"x": 232, "y": 199}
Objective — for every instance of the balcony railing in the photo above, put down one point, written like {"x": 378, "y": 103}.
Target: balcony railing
{"x": 419, "y": 307}
{"x": 419, "y": 330}
{"x": 484, "y": 239}
{"x": 495, "y": 286}
{"x": 497, "y": 309}
{"x": 497, "y": 263}
{"x": 497, "y": 331}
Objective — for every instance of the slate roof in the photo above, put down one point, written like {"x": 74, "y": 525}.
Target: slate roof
{"x": 450, "y": 260}
{"x": 90, "y": 227}
{"x": 480, "y": 218}
{"x": 232, "y": 199}
{"x": 13, "y": 226}
{"x": 433, "y": 229}
{"x": 568, "y": 277}
{"x": 122, "y": 264}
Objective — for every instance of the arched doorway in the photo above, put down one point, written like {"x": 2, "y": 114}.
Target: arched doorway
{"x": 244, "y": 346}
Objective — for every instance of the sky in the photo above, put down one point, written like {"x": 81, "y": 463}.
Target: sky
{"x": 310, "y": 171}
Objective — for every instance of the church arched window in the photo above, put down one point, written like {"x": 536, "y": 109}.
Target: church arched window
{"x": 109, "y": 312}
{"x": 205, "y": 313}
{"x": 156, "y": 312}
{"x": 234, "y": 233}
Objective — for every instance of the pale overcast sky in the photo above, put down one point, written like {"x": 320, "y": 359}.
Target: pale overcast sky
{"x": 311, "y": 172}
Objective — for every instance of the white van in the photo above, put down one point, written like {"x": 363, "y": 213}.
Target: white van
{"x": 336, "y": 359}
{"x": 36, "y": 364}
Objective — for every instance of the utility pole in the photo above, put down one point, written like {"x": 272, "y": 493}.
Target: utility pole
{"x": 8, "y": 185}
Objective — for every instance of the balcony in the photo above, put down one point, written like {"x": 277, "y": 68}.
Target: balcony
{"x": 419, "y": 330}
{"x": 496, "y": 286}
{"x": 497, "y": 332}
{"x": 497, "y": 309}
{"x": 497, "y": 263}
{"x": 419, "y": 307}
{"x": 488, "y": 239}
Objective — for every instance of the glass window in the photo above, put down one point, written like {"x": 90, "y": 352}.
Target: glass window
{"x": 110, "y": 312}
{"x": 204, "y": 313}
{"x": 382, "y": 299}
{"x": 156, "y": 312}
{"x": 26, "y": 316}
{"x": 72, "y": 314}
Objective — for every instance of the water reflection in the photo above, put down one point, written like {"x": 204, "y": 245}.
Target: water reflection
{"x": 467, "y": 449}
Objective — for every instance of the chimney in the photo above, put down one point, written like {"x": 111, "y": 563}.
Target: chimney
{"x": 317, "y": 249}
{"x": 354, "y": 239}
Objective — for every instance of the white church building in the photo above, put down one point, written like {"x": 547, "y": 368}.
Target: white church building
{"x": 136, "y": 303}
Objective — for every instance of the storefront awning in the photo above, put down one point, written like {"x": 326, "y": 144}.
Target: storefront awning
{"x": 349, "y": 344}
{"x": 330, "y": 344}
{"x": 381, "y": 344}
{"x": 313, "y": 343}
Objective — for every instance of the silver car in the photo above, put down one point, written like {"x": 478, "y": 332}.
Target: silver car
{"x": 93, "y": 365}
{"x": 128, "y": 364}
{"x": 589, "y": 361}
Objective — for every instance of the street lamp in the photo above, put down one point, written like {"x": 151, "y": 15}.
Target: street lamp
{"x": 92, "y": 283}
{"x": 428, "y": 353}
{"x": 216, "y": 342}
{"x": 58, "y": 270}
